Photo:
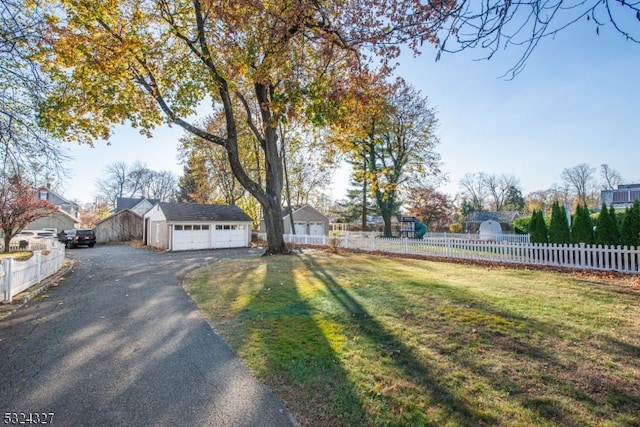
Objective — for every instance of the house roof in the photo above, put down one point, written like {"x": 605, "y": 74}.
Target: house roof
{"x": 199, "y": 212}
{"x": 131, "y": 202}
{"x": 57, "y": 199}
{"x": 506, "y": 217}
{"x": 287, "y": 211}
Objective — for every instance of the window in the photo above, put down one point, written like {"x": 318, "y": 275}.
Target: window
{"x": 177, "y": 227}
{"x": 227, "y": 227}
{"x": 620, "y": 196}
{"x": 43, "y": 195}
{"x": 218, "y": 227}
{"x": 187, "y": 228}
{"x": 205, "y": 226}
{"x": 196, "y": 227}
{"x": 240, "y": 227}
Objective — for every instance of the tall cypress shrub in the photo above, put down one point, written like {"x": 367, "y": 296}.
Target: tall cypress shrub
{"x": 615, "y": 226}
{"x": 606, "y": 228}
{"x": 630, "y": 234}
{"x": 538, "y": 228}
{"x": 559, "y": 227}
{"x": 582, "y": 227}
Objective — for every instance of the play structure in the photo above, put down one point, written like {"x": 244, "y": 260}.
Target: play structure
{"x": 411, "y": 228}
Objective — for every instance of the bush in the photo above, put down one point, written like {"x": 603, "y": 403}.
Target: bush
{"x": 522, "y": 225}
{"x": 630, "y": 235}
{"x": 456, "y": 227}
{"x": 615, "y": 218}
{"x": 538, "y": 228}
{"x": 559, "y": 231}
{"x": 582, "y": 227}
{"x": 607, "y": 233}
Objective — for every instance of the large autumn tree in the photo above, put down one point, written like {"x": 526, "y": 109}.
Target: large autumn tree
{"x": 389, "y": 137}
{"x": 403, "y": 155}
{"x": 19, "y": 207}
{"x": 259, "y": 62}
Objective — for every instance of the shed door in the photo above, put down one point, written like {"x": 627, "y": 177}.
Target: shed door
{"x": 190, "y": 237}
{"x": 230, "y": 236}
{"x": 301, "y": 228}
{"x": 316, "y": 228}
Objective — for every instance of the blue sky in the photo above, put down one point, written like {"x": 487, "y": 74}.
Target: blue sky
{"x": 576, "y": 101}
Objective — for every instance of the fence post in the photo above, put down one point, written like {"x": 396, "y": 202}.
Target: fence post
{"x": 7, "y": 264}
{"x": 37, "y": 257}
{"x": 619, "y": 265}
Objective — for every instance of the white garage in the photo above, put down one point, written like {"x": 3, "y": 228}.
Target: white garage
{"x": 307, "y": 221}
{"x": 180, "y": 227}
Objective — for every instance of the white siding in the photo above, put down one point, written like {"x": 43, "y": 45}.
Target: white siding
{"x": 155, "y": 214}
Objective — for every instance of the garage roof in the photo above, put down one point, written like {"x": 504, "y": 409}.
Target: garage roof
{"x": 202, "y": 213}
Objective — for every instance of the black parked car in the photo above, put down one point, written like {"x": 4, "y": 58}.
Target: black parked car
{"x": 73, "y": 238}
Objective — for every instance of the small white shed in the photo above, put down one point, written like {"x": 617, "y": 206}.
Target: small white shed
{"x": 489, "y": 230}
{"x": 181, "y": 227}
{"x": 307, "y": 221}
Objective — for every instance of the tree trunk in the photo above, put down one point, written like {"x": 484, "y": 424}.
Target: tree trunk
{"x": 386, "y": 217}
{"x": 274, "y": 227}
{"x": 364, "y": 205}
{"x": 7, "y": 241}
{"x": 269, "y": 197}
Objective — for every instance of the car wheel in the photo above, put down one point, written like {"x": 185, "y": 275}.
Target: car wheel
{"x": 91, "y": 245}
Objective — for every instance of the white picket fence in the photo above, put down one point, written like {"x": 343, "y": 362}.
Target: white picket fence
{"x": 39, "y": 245}
{"x": 583, "y": 257}
{"x": 17, "y": 276}
{"x": 503, "y": 237}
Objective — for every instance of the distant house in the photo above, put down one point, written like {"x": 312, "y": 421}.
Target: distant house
{"x": 56, "y": 222}
{"x": 138, "y": 205}
{"x": 621, "y": 198}
{"x": 181, "y": 226}
{"x": 67, "y": 216}
{"x": 505, "y": 219}
{"x": 122, "y": 226}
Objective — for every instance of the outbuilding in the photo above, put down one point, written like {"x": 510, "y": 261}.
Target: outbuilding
{"x": 307, "y": 221}
{"x": 126, "y": 225}
{"x": 182, "y": 226}
{"x": 490, "y": 230}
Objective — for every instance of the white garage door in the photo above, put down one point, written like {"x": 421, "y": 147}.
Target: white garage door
{"x": 190, "y": 237}
{"x": 230, "y": 236}
{"x": 301, "y": 228}
{"x": 316, "y": 228}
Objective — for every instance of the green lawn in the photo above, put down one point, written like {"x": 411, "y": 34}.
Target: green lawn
{"x": 358, "y": 339}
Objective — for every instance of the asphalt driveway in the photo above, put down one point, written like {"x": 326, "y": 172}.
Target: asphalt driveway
{"x": 119, "y": 343}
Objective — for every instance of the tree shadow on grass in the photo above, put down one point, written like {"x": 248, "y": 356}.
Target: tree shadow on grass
{"x": 525, "y": 360}
{"x": 414, "y": 367}
{"x": 300, "y": 361}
